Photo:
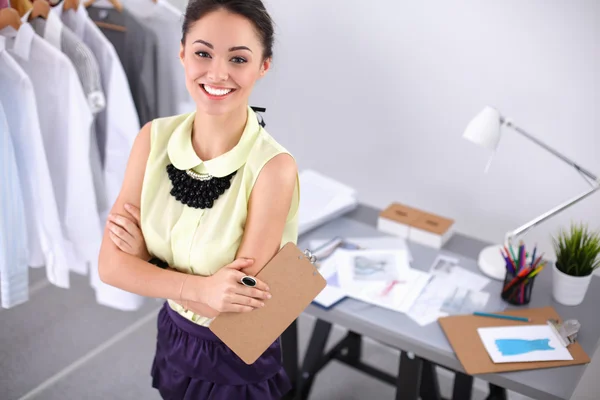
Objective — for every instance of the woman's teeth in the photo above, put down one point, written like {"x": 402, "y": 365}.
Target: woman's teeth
{"x": 215, "y": 91}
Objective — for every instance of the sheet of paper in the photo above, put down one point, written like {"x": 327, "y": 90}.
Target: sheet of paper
{"x": 380, "y": 277}
{"x": 329, "y": 296}
{"x": 523, "y": 343}
{"x": 445, "y": 295}
{"x": 464, "y": 301}
{"x": 450, "y": 267}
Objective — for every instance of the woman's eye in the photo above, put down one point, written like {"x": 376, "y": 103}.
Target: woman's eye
{"x": 202, "y": 54}
{"x": 238, "y": 60}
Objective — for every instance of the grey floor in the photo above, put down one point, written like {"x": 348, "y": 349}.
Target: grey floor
{"x": 62, "y": 345}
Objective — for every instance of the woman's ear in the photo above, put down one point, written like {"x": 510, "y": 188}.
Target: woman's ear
{"x": 265, "y": 66}
{"x": 181, "y": 52}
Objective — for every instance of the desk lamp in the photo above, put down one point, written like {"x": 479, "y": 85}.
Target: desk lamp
{"x": 485, "y": 130}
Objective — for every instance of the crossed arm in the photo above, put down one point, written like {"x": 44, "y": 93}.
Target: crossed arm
{"x": 123, "y": 257}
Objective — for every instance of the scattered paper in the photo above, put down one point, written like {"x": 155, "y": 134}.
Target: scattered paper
{"x": 325, "y": 248}
{"x": 527, "y": 343}
{"x": 464, "y": 301}
{"x": 451, "y": 290}
{"x": 380, "y": 277}
{"x": 461, "y": 277}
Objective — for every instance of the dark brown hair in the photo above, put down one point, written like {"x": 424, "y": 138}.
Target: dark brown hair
{"x": 253, "y": 10}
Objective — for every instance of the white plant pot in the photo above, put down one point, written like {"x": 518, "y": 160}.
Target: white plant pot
{"x": 569, "y": 290}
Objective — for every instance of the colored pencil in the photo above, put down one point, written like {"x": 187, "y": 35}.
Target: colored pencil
{"x": 533, "y": 256}
{"x": 501, "y": 316}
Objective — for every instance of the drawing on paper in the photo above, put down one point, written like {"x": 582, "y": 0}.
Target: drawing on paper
{"x": 375, "y": 267}
{"x": 512, "y": 347}
{"x": 523, "y": 343}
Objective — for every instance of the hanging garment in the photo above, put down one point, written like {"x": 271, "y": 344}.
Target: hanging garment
{"x": 165, "y": 22}
{"x": 65, "y": 121}
{"x": 136, "y": 47}
{"x": 14, "y": 271}
{"x": 44, "y": 233}
{"x": 84, "y": 61}
{"x": 118, "y": 125}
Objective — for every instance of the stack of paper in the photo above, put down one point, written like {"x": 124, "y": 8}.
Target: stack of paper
{"x": 322, "y": 199}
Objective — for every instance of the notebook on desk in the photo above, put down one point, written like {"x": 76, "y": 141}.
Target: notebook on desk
{"x": 293, "y": 282}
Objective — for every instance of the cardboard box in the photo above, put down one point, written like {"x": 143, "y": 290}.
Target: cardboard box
{"x": 415, "y": 225}
{"x": 397, "y": 219}
{"x": 431, "y": 230}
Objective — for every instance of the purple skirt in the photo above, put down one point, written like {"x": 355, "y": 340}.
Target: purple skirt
{"x": 191, "y": 363}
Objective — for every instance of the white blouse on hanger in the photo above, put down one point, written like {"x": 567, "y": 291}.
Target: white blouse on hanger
{"x": 65, "y": 121}
{"x": 14, "y": 271}
{"x": 44, "y": 234}
{"x": 117, "y": 127}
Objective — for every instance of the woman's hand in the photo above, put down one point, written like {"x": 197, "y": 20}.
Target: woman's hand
{"x": 126, "y": 234}
{"x": 224, "y": 292}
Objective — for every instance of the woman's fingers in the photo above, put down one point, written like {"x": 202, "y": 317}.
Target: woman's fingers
{"x": 237, "y": 299}
{"x": 126, "y": 224}
{"x": 119, "y": 232}
{"x": 120, "y": 243}
{"x": 252, "y": 292}
{"x": 134, "y": 212}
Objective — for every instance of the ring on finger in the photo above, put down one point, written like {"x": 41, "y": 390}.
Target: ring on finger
{"x": 248, "y": 281}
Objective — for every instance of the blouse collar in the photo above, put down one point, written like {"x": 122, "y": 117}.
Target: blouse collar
{"x": 183, "y": 156}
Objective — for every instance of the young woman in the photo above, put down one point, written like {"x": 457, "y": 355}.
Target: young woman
{"x": 210, "y": 197}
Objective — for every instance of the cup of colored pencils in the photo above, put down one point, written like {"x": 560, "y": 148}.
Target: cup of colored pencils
{"x": 521, "y": 270}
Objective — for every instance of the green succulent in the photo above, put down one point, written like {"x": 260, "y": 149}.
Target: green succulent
{"x": 577, "y": 250}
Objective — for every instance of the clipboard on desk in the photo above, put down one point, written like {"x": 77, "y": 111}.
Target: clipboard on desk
{"x": 461, "y": 331}
{"x": 294, "y": 282}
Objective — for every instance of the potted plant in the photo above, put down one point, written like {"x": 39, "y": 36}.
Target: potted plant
{"x": 577, "y": 253}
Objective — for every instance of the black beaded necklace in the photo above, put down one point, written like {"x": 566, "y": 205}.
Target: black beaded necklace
{"x": 197, "y": 190}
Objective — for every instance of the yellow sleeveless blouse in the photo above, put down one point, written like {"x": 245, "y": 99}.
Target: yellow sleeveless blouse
{"x": 201, "y": 241}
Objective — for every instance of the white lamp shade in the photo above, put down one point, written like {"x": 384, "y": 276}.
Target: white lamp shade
{"x": 484, "y": 129}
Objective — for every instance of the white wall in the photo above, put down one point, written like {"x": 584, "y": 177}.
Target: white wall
{"x": 377, "y": 94}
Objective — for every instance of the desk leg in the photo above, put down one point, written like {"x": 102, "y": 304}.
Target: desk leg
{"x": 408, "y": 384}
{"x": 463, "y": 386}
{"x": 312, "y": 358}
{"x": 496, "y": 393}
{"x": 430, "y": 387}
{"x": 354, "y": 341}
{"x": 289, "y": 351}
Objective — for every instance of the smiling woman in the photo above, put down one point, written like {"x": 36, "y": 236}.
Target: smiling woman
{"x": 208, "y": 198}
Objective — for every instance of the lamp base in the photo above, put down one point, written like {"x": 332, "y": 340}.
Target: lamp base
{"x": 491, "y": 263}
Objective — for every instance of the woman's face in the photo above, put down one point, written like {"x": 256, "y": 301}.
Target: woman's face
{"x": 222, "y": 58}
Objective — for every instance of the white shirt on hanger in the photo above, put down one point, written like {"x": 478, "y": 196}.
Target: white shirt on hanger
{"x": 45, "y": 238}
{"x": 117, "y": 127}
{"x": 14, "y": 271}
{"x": 65, "y": 122}
{"x": 165, "y": 21}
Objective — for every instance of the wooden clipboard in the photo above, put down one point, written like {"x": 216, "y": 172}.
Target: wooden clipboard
{"x": 461, "y": 331}
{"x": 294, "y": 283}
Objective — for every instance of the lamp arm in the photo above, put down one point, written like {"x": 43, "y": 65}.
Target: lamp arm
{"x": 551, "y": 150}
{"x": 524, "y": 228}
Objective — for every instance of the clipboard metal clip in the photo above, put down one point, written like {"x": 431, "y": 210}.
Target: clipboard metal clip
{"x": 565, "y": 332}
{"x": 310, "y": 256}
